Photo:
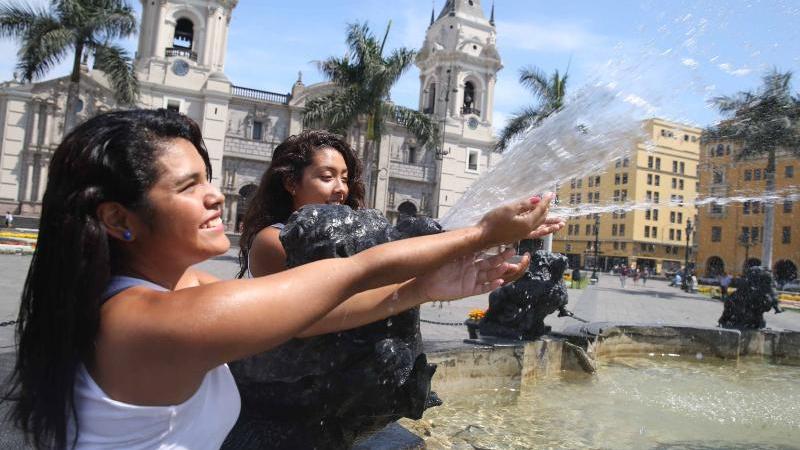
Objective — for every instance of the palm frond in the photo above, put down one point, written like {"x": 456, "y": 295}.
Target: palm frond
{"x": 536, "y": 81}
{"x": 516, "y": 125}
{"x": 420, "y": 125}
{"x": 397, "y": 64}
{"x": 17, "y": 20}
{"x": 336, "y": 111}
{"x": 118, "y": 66}
{"x": 42, "y": 46}
{"x": 115, "y": 21}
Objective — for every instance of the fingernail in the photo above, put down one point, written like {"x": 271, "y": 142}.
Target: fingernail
{"x": 535, "y": 199}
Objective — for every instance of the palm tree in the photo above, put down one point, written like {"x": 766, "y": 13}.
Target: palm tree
{"x": 85, "y": 27}
{"x": 550, "y": 94}
{"x": 763, "y": 121}
{"x": 363, "y": 79}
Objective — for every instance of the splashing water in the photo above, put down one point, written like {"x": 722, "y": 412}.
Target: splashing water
{"x": 600, "y": 124}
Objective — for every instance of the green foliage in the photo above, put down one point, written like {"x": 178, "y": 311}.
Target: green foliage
{"x": 46, "y": 36}
{"x": 762, "y": 121}
{"x": 548, "y": 91}
{"x": 363, "y": 78}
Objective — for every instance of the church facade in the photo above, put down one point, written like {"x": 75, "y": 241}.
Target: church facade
{"x": 180, "y": 65}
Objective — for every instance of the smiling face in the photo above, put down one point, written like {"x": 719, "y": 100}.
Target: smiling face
{"x": 185, "y": 209}
{"x": 322, "y": 182}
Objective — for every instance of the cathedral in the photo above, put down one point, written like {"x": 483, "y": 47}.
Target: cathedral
{"x": 180, "y": 65}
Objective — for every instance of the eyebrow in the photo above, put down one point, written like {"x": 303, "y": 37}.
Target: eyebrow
{"x": 332, "y": 169}
{"x": 188, "y": 177}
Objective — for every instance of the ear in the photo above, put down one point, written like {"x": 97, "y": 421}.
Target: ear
{"x": 290, "y": 185}
{"x": 117, "y": 220}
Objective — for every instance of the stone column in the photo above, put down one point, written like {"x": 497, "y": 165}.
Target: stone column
{"x": 157, "y": 51}
{"x": 208, "y": 42}
{"x": 28, "y": 178}
{"x": 489, "y": 108}
{"x": 43, "y": 166}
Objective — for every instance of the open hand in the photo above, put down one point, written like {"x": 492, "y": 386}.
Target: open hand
{"x": 516, "y": 221}
{"x": 469, "y": 276}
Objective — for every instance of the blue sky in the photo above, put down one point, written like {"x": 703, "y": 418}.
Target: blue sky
{"x": 676, "y": 54}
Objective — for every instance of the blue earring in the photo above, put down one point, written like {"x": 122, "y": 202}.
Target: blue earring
{"x": 127, "y": 235}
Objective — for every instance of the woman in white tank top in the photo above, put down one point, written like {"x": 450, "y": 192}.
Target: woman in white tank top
{"x": 106, "y": 362}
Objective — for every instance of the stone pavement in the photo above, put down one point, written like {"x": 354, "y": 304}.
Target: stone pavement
{"x": 655, "y": 303}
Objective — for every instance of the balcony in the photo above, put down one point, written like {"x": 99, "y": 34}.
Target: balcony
{"x": 255, "y": 94}
{"x": 470, "y": 110}
{"x": 182, "y": 52}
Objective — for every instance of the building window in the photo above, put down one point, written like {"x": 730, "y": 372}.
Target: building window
{"x": 591, "y": 181}
{"x": 616, "y": 245}
{"x": 671, "y": 234}
{"x": 618, "y": 164}
{"x": 788, "y": 172}
{"x": 626, "y": 162}
{"x": 472, "y": 161}
{"x": 597, "y": 181}
{"x": 674, "y": 166}
{"x": 625, "y": 178}
{"x": 173, "y": 105}
{"x": 787, "y": 206}
{"x": 716, "y": 208}
{"x": 680, "y": 217}
{"x": 658, "y": 180}
{"x": 624, "y": 195}
{"x": 756, "y": 207}
{"x": 672, "y": 217}
{"x": 412, "y": 155}
{"x": 658, "y": 163}
{"x": 623, "y": 246}
{"x": 680, "y": 184}
{"x": 686, "y": 137}
{"x": 648, "y": 195}
{"x": 258, "y": 128}
{"x": 754, "y": 234}
{"x": 746, "y": 207}
{"x": 648, "y": 214}
{"x": 580, "y": 183}
{"x": 655, "y": 214}
{"x": 614, "y": 229}
{"x": 653, "y": 229}
{"x": 578, "y": 198}
{"x": 716, "y": 234}
{"x": 617, "y": 179}
{"x": 184, "y": 34}
{"x": 647, "y": 231}
{"x": 616, "y": 195}
{"x": 674, "y": 183}
{"x": 678, "y": 234}
{"x": 683, "y": 168}
{"x": 649, "y": 162}
{"x": 786, "y": 237}
{"x": 757, "y": 174}
{"x": 588, "y": 230}
{"x": 748, "y": 175}
{"x": 656, "y": 197}
{"x": 572, "y": 183}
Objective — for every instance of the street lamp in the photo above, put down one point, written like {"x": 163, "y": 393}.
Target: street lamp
{"x": 747, "y": 241}
{"x": 596, "y": 245}
{"x": 686, "y": 262}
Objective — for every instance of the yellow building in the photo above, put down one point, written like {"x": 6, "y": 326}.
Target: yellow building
{"x": 731, "y": 235}
{"x": 665, "y": 174}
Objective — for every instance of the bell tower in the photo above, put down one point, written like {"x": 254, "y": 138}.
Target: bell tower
{"x": 180, "y": 64}
{"x": 458, "y": 66}
{"x": 195, "y": 30}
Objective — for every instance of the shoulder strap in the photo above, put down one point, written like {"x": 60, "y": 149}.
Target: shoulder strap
{"x": 119, "y": 283}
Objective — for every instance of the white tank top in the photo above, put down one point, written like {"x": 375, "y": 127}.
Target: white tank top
{"x": 199, "y": 423}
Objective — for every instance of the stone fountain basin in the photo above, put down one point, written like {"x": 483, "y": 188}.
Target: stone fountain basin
{"x": 485, "y": 365}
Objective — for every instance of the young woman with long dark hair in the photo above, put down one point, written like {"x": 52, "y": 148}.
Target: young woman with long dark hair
{"x": 121, "y": 344}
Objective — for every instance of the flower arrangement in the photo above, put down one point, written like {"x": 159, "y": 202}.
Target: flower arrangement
{"x": 476, "y": 314}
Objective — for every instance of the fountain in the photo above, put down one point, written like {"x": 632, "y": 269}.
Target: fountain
{"x": 755, "y": 294}
{"x": 517, "y": 310}
{"x": 326, "y": 391}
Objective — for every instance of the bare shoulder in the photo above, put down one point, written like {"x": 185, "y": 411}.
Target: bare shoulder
{"x": 267, "y": 255}
{"x": 195, "y": 277}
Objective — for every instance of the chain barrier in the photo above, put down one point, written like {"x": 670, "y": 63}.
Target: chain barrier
{"x": 452, "y": 324}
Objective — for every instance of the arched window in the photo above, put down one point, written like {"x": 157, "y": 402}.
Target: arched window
{"x": 430, "y": 104}
{"x": 184, "y": 34}
{"x": 469, "y": 106}
{"x": 407, "y": 209}
{"x": 715, "y": 266}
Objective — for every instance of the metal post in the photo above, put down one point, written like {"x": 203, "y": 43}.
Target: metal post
{"x": 686, "y": 261}
{"x": 596, "y": 245}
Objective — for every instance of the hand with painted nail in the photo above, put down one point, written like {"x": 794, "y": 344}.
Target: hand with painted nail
{"x": 515, "y": 221}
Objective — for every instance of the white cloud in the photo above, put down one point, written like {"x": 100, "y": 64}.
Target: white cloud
{"x": 730, "y": 70}
{"x": 547, "y": 37}
{"x": 690, "y": 63}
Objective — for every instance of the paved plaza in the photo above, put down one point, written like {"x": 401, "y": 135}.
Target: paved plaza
{"x": 655, "y": 303}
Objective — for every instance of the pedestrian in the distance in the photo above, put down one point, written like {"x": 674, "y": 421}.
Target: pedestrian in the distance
{"x": 724, "y": 283}
{"x": 645, "y": 276}
{"x": 623, "y": 273}
{"x": 636, "y": 274}
{"x": 9, "y": 219}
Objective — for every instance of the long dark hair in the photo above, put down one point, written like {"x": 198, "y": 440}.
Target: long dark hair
{"x": 111, "y": 157}
{"x": 272, "y": 204}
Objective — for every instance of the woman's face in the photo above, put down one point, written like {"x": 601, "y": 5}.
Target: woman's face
{"x": 324, "y": 181}
{"x": 186, "y": 208}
